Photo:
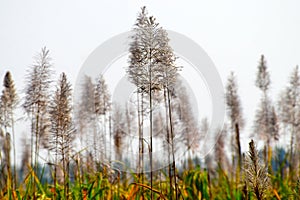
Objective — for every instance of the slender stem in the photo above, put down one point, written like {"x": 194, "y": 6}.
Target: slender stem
{"x": 142, "y": 138}
{"x": 31, "y": 143}
{"x": 168, "y": 143}
{"x": 239, "y": 167}
{"x": 139, "y": 130}
{"x": 150, "y": 101}
{"x": 55, "y": 164}
{"x": 14, "y": 144}
{"x": 172, "y": 142}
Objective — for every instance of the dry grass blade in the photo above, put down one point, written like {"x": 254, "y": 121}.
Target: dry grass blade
{"x": 149, "y": 188}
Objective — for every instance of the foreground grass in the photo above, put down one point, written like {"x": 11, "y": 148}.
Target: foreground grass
{"x": 192, "y": 184}
{"x": 256, "y": 179}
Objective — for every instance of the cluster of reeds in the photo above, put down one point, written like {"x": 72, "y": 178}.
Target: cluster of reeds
{"x": 256, "y": 182}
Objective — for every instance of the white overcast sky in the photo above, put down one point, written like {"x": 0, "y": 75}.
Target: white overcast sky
{"x": 233, "y": 33}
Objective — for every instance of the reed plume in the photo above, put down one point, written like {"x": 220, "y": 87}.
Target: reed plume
{"x": 256, "y": 174}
